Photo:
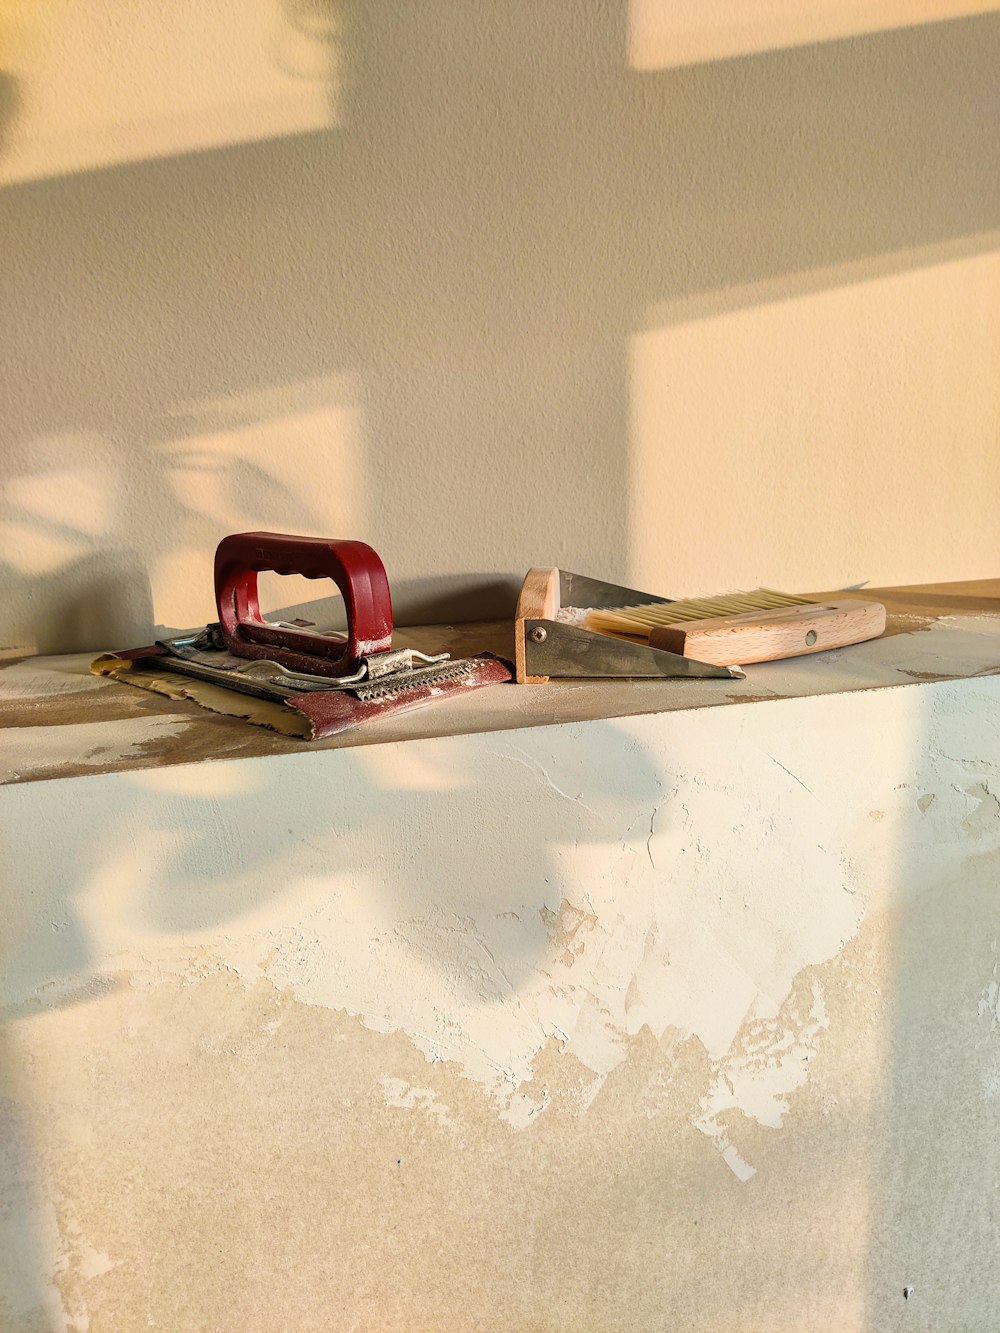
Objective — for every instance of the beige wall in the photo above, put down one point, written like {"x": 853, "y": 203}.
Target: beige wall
{"x": 503, "y": 290}
{"x": 702, "y": 1031}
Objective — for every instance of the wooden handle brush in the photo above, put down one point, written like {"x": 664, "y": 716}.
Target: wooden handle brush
{"x": 761, "y": 626}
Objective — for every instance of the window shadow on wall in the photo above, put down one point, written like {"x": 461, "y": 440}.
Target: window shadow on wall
{"x": 461, "y": 264}
{"x": 935, "y": 1158}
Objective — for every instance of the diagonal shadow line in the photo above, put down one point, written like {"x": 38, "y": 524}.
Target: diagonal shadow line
{"x": 652, "y": 187}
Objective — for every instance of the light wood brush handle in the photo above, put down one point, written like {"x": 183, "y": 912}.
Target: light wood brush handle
{"x": 767, "y": 636}
{"x": 538, "y": 600}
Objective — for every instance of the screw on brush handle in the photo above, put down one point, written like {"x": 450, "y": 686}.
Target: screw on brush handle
{"x": 538, "y": 600}
{"x": 353, "y": 566}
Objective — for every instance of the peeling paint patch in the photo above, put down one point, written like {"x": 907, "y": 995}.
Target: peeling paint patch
{"x": 92, "y": 1263}
{"x": 29, "y": 1238}
{"x": 984, "y": 818}
{"x": 299, "y": 1156}
{"x": 988, "y": 1010}
{"x": 767, "y": 1064}
{"x": 405, "y": 1097}
{"x": 79, "y": 1265}
{"x": 989, "y": 996}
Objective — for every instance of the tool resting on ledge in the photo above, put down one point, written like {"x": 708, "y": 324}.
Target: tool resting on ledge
{"x": 332, "y": 680}
{"x": 568, "y": 625}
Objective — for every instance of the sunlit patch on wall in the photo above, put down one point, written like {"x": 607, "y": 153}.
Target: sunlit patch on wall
{"x": 283, "y": 460}
{"x": 73, "y": 499}
{"x": 32, "y": 550}
{"x": 56, "y": 503}
{"x": 412, "y": 770}
{"x": 209, "y": 781}
{"x": 666, "y": 33}
{"x": 835, "y": 402}
{"x": 94, "y": 84}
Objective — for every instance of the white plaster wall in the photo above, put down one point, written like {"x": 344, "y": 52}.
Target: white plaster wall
{"x": 680, "y": 1021}
{"x": 491, "y": 286}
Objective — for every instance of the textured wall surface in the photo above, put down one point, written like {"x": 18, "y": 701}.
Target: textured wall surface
{"x": 492, "y": 286}
{"x": 687, "y": 1021}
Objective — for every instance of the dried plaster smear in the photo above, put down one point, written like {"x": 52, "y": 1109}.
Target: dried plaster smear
{"x": 491, "y": 895}
{"x": 519, "y": 921}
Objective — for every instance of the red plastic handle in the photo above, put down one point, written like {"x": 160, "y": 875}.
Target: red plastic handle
{"x": 353, "y": 566}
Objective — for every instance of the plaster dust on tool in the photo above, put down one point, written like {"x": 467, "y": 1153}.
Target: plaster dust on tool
{"x": 571, "y": 626}
{"x": 322, "y": 682}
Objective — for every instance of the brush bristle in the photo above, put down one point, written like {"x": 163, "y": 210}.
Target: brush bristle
{"x": 637, "y": 621}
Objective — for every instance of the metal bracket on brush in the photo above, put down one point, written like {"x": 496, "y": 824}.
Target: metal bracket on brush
{"x": 550, "y": 640}
{"x": 566, "y": 651}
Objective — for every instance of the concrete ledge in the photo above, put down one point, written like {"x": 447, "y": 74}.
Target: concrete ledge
{"x": 59, "y": 721}
{"x": 682, "y": 1020}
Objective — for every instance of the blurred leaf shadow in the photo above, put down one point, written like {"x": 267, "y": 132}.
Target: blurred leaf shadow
{"x": 181, "y": 865}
